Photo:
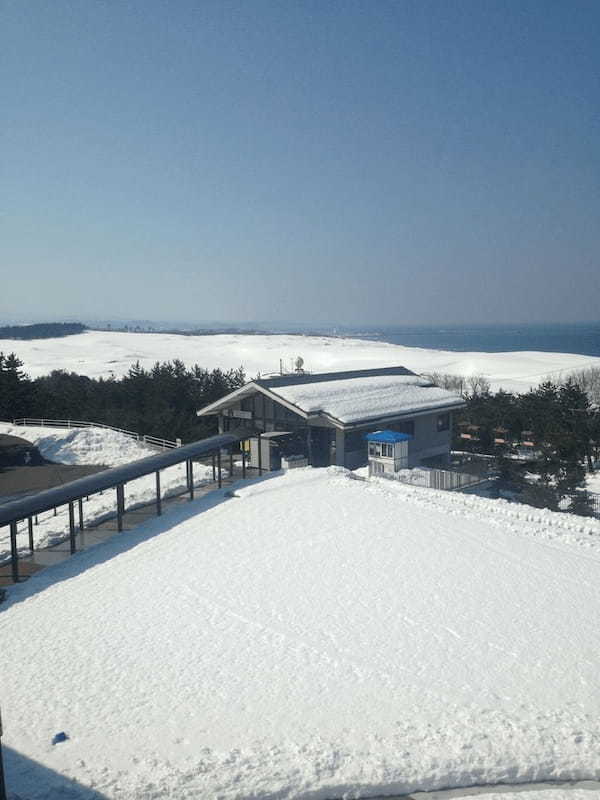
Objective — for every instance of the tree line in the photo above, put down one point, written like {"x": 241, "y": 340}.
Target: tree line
{"x": 562, "y": 427}
{"x": 41, "y": 330}
{"x": 161, "y": 401}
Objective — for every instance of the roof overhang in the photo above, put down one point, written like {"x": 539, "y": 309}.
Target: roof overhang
{"x": 244, "y": 391}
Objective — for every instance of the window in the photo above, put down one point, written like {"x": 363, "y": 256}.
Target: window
{"x": 443, "y": 422}
{"x": 404, "y": 427}
{"x": 387, "y": 450}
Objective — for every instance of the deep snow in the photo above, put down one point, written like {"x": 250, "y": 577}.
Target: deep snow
{"x": 368, "y": 398}
{"x": 96, "y": 353}
{"x": 314, "y": 637}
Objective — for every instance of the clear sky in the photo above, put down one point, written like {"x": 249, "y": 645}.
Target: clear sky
{"x": 351, "y": 162}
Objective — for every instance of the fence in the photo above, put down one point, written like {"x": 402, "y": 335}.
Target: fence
{"x": 153, "y": 441}
{"x": 444, "y": 479}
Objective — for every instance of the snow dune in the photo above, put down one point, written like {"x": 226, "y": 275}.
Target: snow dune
{"x": 97, "y": 353}
{"x": 315, "y": 636}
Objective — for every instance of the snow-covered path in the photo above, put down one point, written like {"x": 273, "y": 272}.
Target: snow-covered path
{"x": 315, "y": 637}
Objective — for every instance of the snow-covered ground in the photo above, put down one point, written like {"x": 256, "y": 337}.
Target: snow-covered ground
{"x": 317, "y": 636}
{"x": 97, "y": 353}
{"x": 92, "y": 446}
{"x": 81, "y": 445}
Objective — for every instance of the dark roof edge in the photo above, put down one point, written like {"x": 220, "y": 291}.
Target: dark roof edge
{"x": 322, "y": 377}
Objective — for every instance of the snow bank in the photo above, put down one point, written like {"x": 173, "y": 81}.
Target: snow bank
{"x": 81, "y": 445}
{"x": 313, "y": 637}
{"x": 98, "y": 353}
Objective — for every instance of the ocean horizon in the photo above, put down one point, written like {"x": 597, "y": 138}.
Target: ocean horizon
{"x": 577, "y": 338}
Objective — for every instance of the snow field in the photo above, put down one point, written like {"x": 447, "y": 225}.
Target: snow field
{"x": 313, "y": 637}
{"x": 101, "y": 353}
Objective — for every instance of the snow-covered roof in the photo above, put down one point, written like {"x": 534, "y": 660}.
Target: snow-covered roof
{"x": 363, "y": 398}
{"x": 349, "y": 397}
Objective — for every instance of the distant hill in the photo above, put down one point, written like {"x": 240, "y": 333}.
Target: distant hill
{"x": 41, "y": 330}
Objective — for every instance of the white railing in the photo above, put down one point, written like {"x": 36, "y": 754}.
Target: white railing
{"x": 152, "y": 441}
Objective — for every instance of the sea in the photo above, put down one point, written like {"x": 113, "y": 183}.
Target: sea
{"x": 580, "y": 338}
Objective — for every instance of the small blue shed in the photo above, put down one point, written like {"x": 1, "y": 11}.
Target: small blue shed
{"x": 388, "y": 452}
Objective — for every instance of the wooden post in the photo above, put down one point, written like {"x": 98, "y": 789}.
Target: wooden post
{"x": 219, "y": 467}
{"x": 158, "y": 497}
{"x": 30, "y": 528}
{"x": 80, "y": 504}
{"x": 72, "y": 528}
{"x": 14, "y": 552}
{"x": 191, "y": 478}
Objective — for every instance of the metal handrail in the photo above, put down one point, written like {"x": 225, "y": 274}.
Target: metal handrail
{"x": 78, "y": 423}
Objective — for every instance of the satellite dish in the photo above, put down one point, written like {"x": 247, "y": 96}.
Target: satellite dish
{"x": 299, "y": 363}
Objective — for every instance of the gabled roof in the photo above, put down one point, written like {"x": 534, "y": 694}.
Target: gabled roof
{"x": 348, "y": 398}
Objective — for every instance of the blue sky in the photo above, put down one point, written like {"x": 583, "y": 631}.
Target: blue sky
{"x": 373, "y": 162}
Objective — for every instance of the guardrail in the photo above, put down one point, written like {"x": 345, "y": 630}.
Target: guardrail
{"x": 446, "y": 480}
{"x": 153, "y": 441}
{"x": 69, "y": 494}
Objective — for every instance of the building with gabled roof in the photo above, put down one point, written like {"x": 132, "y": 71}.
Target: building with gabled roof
{"x": 325, "y": 417}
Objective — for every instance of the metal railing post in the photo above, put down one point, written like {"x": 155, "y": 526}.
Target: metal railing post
{"x": 120, "y": 504}
{"x": 191, "y": 478}
{"x": 158, "y": 497}
{"x": 30, "y": 529}
{"x": 72, "y": 528}
{"x": 14, "y": 554}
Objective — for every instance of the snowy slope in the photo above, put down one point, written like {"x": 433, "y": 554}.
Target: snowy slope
{"x": 81, "y": 445}
{"x": 317, "y": 636}
{"x": 98, "y": 353}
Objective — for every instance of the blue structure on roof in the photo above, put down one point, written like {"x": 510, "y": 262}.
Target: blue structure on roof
{"x": 388, "y": 437}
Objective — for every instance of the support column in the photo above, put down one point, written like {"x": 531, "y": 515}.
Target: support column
{"x": 80, "y": 504}
{"x": 243, "y": 463}
{"x": 191, "y": 478}
{"x": 120, "y": 507}
{"x": 259, "y": 441}
{"x": 231, "y": 462}
{"x": 309, "y": 454}
{"x": 219, "y": 467}
{"x": 214, "y": 467}
{"x": 14, "y": 554}
{"x": 30, "y": 529}
{"x": 340, "y": 448}
{"x": 158, "y": 496}
{"x": 72, "y": 541}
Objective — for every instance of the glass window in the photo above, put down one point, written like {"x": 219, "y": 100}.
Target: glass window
{"x": 443, "y": 422}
